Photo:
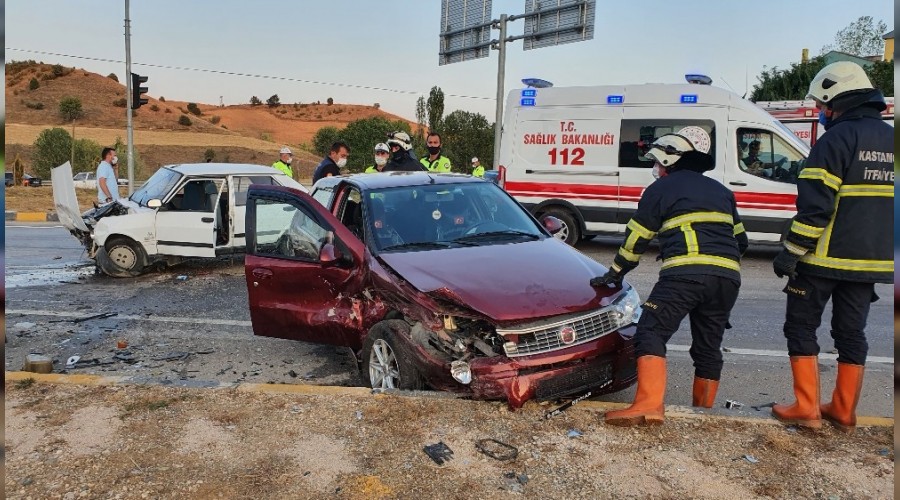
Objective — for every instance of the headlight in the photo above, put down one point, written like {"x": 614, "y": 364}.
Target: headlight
{"x": 461, "y": 372}
{"x": 628, "y": 307}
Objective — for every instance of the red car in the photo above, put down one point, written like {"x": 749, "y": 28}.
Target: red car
{"x": 439, "y": 281}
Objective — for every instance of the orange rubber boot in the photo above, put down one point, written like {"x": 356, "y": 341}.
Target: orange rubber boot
{"x": 805, "y": 411}
{"x": 704, "y": 394}
{"x": 841, "y": 411}
{"x": 647, "y": 408}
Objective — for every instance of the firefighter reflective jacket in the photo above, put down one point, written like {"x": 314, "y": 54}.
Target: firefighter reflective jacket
{"x": 845, "y": 195}
{"x": 696, "y": 220}
{"x": 441, "y": 165}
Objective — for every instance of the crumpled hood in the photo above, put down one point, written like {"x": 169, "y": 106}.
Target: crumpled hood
{"x": 506, "y": 282}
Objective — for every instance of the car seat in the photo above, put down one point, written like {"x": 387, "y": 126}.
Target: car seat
{"x": 195, "y": 198}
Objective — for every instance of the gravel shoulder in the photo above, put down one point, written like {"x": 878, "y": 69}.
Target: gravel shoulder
{"x": 73, "y": 441}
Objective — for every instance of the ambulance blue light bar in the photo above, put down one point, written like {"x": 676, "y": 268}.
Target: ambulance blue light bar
{"x": 688, "y": 98}
{"x": 526, "y": 101}
{"x": 615, "y": 99}
{"x": 529, "y": 92}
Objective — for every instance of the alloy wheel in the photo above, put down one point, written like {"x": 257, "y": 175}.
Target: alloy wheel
{"x": 384, "y": 372}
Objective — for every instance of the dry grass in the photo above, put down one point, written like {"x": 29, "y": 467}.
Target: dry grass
{"x": 40, "y": 199}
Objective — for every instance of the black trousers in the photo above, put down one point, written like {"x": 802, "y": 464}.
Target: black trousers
{"x": 850, "y": 301}
{"x": 707, "y": 299}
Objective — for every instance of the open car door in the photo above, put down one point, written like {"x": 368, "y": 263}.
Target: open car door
{"x": 303, "y": 268}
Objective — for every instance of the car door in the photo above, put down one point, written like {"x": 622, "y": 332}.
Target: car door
{"x": 304, "y": 269}
{"x": 186, "y": 222}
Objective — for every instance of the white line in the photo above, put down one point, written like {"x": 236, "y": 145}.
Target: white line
{"x": 777, "y": 354}
{"x": 162, "y": 319}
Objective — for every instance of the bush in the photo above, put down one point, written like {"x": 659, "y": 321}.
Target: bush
{"x": 113, "y": 77}
{"x": 120, "y": 103}
{"x": 215, "y": 119}
{"x": 184, "y": 120}
{"x": 254, "y": 101}
{"x": 53, "y": 147}
{"x": 58, "y": 70}
{"x": 194, "y": 109}
{"x": 377, "y": 105}
{"x": 154, "y": 107}
{"x": 70, "y": 108}
{"x": 168, "y": 110}
{"x": 34, "y": 105}
{"x": 209, "y": 155}
{"x": 273, "y": 101}
{"x": 330, "y": 101}
{"x": 34, "y": 84}
{"x": 162, "y": 99}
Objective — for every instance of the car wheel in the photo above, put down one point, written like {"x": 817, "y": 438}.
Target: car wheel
{"x": 570, "y": 232}
{"x": 384, "y": 366}
{"x": 122, "y": 258}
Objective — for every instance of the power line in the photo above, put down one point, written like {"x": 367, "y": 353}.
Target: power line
{"x": 248, "y": 75}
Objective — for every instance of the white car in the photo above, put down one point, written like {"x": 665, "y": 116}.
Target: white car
{"x": 182, "y": 211}
{"x": 88, "y": 180}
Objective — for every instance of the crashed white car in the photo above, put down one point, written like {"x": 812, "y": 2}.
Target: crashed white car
{"x": 182, "y": 211}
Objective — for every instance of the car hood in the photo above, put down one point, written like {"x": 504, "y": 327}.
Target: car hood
{"x": 506, "y": 282}
{"x": 64, "y": 198}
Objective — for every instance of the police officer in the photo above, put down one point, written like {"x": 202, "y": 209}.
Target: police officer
{"x": 400, "y": 160}
{"x": 701, "y": 240}
{"x": 840, "y": 242}
{"x": 382, "y": 153}
{"x": 477, "y": 169}
{"x": 284, "y": 162}
{"x": 434, "y": 161}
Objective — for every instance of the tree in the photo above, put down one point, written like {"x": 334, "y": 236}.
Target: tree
{"x": 788, "y": 84}
{"x": 34, "y": 84}
{"x": 324, "y": 138}
{"x": 435, "y": 108}
{"x": 53, "y": 147}
{"x": 861, "y": 38}
{"x": 193, "y": 108}
{"x": 113, "y": 77}
{"x": 273, "y": 101}
{"x": 209, "y": 155}
{"x": 882, "y": 76}
{"x": 254, "y": 101}
{"x": 184, "y": 120}
{"x": 361, "y": 136}
{"x": 70, "y": 108}
{"x": 421, "y": 117}
{"x": 465, "y": 135}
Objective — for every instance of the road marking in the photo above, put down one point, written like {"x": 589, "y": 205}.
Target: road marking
{"x": 778, "y": 354}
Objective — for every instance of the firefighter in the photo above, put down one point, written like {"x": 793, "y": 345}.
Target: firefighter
{"x": 840, "y": 242}
{"x": 701, "y": 240}
{"x": 400, "y": 160}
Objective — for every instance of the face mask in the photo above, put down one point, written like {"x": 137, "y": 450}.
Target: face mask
{"x": 288, "y": 161}
{"x": 825, "y": 118}
{"x": 115, "y": 160}
{"x": 341, "y": 163}
{"x": 434, "y": 149}
{"x": 380, "y": 160}
{"x": 657, "y": 172}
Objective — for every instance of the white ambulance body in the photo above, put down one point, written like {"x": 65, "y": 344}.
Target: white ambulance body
{"x": 802, "y": 117}
{"x": 577, "y": 153}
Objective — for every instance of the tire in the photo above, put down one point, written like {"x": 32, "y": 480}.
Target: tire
{"x": 384, "y": 366}
{"x": 571, "y": 231}
{"x": 122, "y": 258}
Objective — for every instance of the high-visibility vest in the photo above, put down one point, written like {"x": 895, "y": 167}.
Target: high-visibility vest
{"x": 478, "y": 171}
{"x": 441, "y": 165}
{"x": 284, "y": 167}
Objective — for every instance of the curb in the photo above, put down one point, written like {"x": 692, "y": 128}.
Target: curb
{"x": 31, "y": 216}
{"x": 330, "y": 390}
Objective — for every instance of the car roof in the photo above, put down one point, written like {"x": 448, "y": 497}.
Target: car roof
{"x": 397, "y": 179}
{"x": 222, "y": 169}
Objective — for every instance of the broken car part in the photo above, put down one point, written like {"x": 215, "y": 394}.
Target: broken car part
{"x": 439, "y": 452}
{"x": 498, "y": 450}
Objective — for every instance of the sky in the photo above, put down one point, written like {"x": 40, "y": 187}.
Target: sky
{"x": 391, "y": 46}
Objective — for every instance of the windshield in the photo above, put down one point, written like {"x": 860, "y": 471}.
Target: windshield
{"x": 445, "y": 215}
{"x": 156, "y": 187}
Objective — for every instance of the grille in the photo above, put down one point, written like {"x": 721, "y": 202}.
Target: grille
{"x": 587, "y": 376}
{"x": 546, "y": 338}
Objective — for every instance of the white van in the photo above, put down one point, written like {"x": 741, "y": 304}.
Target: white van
{"x": 577, "y": 153}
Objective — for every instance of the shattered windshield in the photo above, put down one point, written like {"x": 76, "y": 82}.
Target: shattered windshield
{"x": 156, "y": 187}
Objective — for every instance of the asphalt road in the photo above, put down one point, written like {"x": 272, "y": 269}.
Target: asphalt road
{"x": 197, "y": 331}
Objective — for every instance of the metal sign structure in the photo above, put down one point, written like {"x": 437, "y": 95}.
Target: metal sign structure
{"x": 555, "y": 22}
{"x": 465, "y": 30}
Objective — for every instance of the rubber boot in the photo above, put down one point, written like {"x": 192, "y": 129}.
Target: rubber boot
{"x": 841, "y": 411}
{"x": 647, "y": 408}
{"x": 704, "y": 394}
{"x": 804, "y": 412}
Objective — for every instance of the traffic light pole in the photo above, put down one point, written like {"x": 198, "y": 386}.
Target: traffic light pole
{"x": 128, "y": 107}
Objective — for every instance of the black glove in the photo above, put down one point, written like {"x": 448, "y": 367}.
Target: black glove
{"x": 610, "y": 277}
{"x": 785, "y": 264}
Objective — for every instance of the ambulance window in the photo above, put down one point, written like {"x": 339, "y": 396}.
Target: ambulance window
{"x": 638, "y": 135}
{"x": 764, "y": 154}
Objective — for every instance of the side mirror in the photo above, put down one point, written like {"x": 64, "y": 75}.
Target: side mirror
{"x": 552, "y": 224}
{"x": 329, "y": 255}
{"x": 154, "y": 203}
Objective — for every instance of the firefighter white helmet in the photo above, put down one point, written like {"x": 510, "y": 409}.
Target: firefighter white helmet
{"x": 668, "y": 149}
{"x": 836, "y": 79}
{"x": 400, "y": 139}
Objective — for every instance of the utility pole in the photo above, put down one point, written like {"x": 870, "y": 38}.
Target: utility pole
{"x": 501, "y": 75}
{"x": 130, "y": 126}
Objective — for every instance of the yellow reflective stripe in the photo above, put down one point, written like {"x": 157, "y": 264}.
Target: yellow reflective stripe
{"x": 885, "y": 266}
{"x": 637, "y": 231}
{"x": 629, "y": 256}
{"x": 867, "y": 190}
{"x": 825, "y": 240}
{"x": 794, "y": 249}
{"x": 696, "y": 217}
{"x": 830, "y": 180}
{"x": 806, "y": 230}
{"x": 690, "y": 239}
{"x": 615, "y": 267}
{"x": 701, "y": 260}
{"x": 738, "y": 228}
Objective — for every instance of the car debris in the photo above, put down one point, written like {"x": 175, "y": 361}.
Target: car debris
{"x": 766, "y": 405}
{"x": 514, "y": 482}
{"x": 566, "y": 406}
{"x": 181, "y": 278}
{"x": 173, "y": 356}
{"x": 24, "y": 325}
{"x": 88, "y": 318}
{"x": 72, "y": 361}
{"x": 38, "y": 363}
{"x": 733, "y": 405}
{"x": 574, "y": 433}
{"x": 498, "y": 450}
{"x": 439, "y": 452}
{"x": 751, "y": 459}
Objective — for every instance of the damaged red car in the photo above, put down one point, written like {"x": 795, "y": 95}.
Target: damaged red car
{"x": 440, "y": 281}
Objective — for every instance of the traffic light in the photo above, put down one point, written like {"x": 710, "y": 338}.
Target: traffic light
{"x": 136, "y": 90}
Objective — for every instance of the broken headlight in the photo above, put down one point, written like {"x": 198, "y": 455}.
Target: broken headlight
{"x": 627, "y": 307}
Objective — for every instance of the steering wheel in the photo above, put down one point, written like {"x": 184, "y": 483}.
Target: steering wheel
{"x": 491, "y": 225}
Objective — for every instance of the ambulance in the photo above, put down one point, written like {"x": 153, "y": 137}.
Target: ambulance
{"x": 578, "y": 153}
{"x": 802, "y": 117}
